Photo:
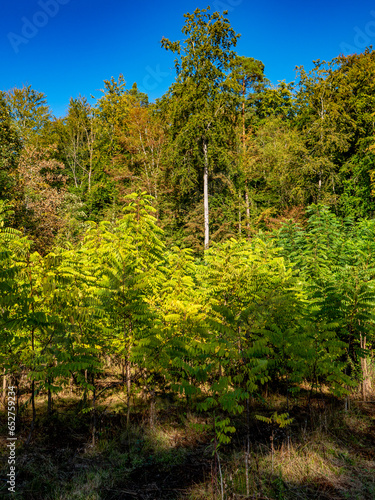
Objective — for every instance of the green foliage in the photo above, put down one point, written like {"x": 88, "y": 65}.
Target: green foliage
{"x": 281, "y": 420}
{"x": 9, "y": 150}
{"x": 119, "y": 277}
{"x": 335, "y": 261}
{"x": 273, "y": 101}
{"x": 30, "y": 113}
{"x": 201, "y": 105}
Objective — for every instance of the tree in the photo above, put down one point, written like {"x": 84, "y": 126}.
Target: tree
{"x": 78, "y": 136}
{"x": 30, "y": 113}
{"x": 124, "y": 258}
{"x": 334, "y": 111}
{"x": 204, "y": 98}
{"x": 113, "y": 111}
{"x": 42, "y": 187}
{"x": 142, "y": 143}
{"x": 250, "y": 76}
{"x": 139, "y": 96}
{"x": 334, "y": 260}
{"x": 277, "y": 167}
{"x": 10, "y": 146}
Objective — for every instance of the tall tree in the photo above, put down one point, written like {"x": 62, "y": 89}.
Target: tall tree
{"x": 250, "y": 76}
{"x": 9, "y": 150}
{"x": 42, "y": 184}
{"x": 30, "y": 113}
{"x": 78, "y": 135}
{"x": 204, "y": 98}
{"x": 142, "y": 143}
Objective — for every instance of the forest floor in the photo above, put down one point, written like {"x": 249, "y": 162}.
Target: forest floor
{"x": 325, "y": 453}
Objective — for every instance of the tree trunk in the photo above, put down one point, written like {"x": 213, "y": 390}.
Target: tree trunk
{"x": 33, "y": 413}
{"x": 4, "y": 395}
{"x": 49, "y": 403}
{"x": 239, "y": 215}
{"x": 243, "y": 158}
{"x": 364, "y": 369}
{"x": 243, "y": 114}
{"x": 247, "y": 212}
{"x": 93, "y": 414}
{"x": 128, "y": 387}
{"x": 152, "y": 409}
{"x": 33, "y": 401}
{"x": 32, "y": 394}
{"x": 128, "y": 338}
{"x": 205, "y": 196}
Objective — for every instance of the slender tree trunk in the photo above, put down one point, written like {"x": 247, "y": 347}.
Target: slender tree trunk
{"x": 49, "y": 403}
{"x": 247, "y": 211}
{"x": 205, "y": 196}
{"x": 243, "y": 158}
{"x": 221, "y": 477}
{"x": 123, "y": 371}
{"x": 239, "y": 215}
{"x": 364, "y": 369}
{"x": 33, "y": 402}
{"x": 128, "y": 387}
{"x": 152, "y": 409}
{"x": 90, "y": 140}
{"x": 247, "y": 452}
{"x": 4, "y": 395}
{"x": 93, "y": 412}
{"x": 33, "y": 413}
{"x": 32, "y": 396}
{"x": 243, "y": 112}
{"x": 16, "y": 383}
{"x": 127, "y": 338}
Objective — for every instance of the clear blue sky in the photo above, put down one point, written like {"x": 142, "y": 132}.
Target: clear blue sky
{"x": 68, "y": 47}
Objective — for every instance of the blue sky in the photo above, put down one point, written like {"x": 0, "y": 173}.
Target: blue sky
{"x": 68, "y": 47}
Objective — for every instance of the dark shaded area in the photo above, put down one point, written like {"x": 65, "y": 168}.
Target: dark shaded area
{"x": 131, "y": 464}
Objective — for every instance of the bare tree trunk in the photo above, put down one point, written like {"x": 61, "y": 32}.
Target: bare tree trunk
{"x": 247, "y": 211}
{"x": 33, "y": 413}
{"x": 128, "y": 387}
{"x": 16, "y": 383}
{"x": 364, "y": 369}
{"x": 247, "y": 452}
{"x": 152, "y": 409}
{"x": 93, "y": 412}
{"x": 239, "y": 215}
{"x": 90, "y": 143}
{"x": 128, "y": 380}
{"x": 32, "y": 395}
{"x": 33, "y": 401}
{"x": 49, "y": 403}
{"x": 205, "y": 196}
{"x": 243, "y": 112}
{"x": 4, "y": 395}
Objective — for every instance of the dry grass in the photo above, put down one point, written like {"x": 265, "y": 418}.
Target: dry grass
{"x": 326, "y": 453}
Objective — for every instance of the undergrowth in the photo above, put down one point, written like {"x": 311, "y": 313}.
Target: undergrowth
{"x": 324, "y": 453}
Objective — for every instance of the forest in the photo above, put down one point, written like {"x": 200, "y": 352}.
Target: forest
{"x": 188, "y": 286}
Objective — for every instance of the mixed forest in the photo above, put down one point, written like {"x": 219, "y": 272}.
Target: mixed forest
{"x": 191, "y": 282}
